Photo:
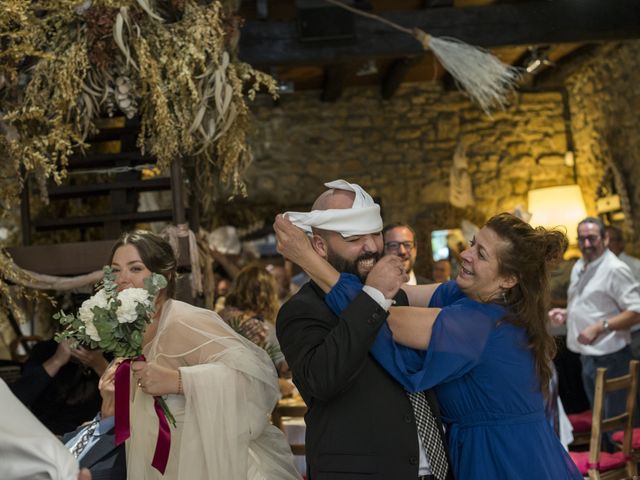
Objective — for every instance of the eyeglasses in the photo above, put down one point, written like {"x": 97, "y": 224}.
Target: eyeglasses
{"x": 591, "y": 238}
{"x": 395, "y": 246}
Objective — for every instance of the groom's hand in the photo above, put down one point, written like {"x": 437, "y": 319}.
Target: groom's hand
{"x": 387, "y": 275}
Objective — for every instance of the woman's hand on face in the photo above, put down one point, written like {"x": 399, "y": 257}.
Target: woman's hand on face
{"x": 154, "y": 379}
{"x": 292, "y": 242}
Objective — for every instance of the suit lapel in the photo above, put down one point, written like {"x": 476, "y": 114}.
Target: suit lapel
{"x": 102, "y": 447}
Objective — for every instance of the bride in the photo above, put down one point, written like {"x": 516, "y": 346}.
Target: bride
{"x": 219, "y": 386}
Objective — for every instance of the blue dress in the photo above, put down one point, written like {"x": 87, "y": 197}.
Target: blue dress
{"x": 485, "y": 379}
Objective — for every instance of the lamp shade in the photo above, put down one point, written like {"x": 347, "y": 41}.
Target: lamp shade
{"x": 558, "y": 206}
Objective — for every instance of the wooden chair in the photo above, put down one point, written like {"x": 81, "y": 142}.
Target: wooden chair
{"x": 10, "y": 373}
{"x": 26, "y": 341}
{"x": 598, "y": 465}
{"x": 581, "y": 424}
{"x": 283, "y": 410}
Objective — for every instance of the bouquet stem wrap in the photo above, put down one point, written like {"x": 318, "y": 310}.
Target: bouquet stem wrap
{"x": 122, "y": 428}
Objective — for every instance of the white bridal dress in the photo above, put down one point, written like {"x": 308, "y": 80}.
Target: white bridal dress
{"x": 230, "y": 387}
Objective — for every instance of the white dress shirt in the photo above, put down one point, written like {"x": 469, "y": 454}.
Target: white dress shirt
{"x": 103, "y": 427}
{"x": 600, "y": 290}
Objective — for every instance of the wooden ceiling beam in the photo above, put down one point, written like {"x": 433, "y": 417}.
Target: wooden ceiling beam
{"x": 537, "y": 22}
{"x": 396, "y": 74}
{"x": 333, "y": 82}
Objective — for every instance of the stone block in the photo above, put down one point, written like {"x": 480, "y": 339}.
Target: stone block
{"x": 408, "y": 133}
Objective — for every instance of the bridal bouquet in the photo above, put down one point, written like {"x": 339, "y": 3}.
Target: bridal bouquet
{"x": 115, "y": 321}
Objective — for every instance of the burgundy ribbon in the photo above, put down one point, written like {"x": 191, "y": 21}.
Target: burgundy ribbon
{"x": 122, "y": 428}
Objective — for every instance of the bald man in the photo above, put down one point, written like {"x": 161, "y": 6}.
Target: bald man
{"x": 360, "y": 422}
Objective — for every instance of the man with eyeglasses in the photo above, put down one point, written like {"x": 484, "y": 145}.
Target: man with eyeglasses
{"x": 603, "y": 304}
{"x": 400, "y": 240}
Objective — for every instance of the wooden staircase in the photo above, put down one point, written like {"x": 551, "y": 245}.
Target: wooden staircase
{"x": 113, "y": 149}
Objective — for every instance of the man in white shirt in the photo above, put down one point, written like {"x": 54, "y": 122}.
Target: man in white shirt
{"x": 616, "y": 245}
{"x": 602, "y": 305}
{"x": 400, "y": 240}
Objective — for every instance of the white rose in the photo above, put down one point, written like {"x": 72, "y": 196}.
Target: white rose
{"x": 129, "y": 299}
{"x": 86, "y": 315}
{"x": 91, "y": 330}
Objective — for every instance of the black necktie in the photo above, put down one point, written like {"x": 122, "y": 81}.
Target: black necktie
{"x": 429, "y": 435}
{"x": 82, "y": 443}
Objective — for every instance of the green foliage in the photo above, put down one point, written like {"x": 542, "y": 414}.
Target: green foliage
{"x": 122, "y": 339}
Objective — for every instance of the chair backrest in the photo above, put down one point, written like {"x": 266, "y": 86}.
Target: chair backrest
{"x": 10, "y": 373}
{"x": 295, "y": 411}
{"x": 624, "y": 421}
{"x": 24, "y": 341}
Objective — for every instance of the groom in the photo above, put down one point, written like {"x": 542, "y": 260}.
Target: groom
{"x": 359, "y": 421}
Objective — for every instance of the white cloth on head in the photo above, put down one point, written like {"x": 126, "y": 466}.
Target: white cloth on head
{"x": 362, "y": 218}
{"x": 29, "y": 450}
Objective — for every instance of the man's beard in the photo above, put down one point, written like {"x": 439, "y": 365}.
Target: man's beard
{"x": 343, "y": 265}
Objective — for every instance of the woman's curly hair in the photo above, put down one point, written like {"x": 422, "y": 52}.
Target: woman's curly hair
{"x": 255, "y": 290}
{"x": 528, "y": 255}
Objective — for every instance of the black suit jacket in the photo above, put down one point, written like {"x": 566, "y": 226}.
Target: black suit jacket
{"x": 105, "y": 460}
{"x": 360, "y": 423}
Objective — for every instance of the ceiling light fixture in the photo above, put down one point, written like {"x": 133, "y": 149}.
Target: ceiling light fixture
{"x": 538, "y": 58}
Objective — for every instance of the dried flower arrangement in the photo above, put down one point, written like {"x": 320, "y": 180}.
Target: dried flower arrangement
{"x": 172, "y": 63}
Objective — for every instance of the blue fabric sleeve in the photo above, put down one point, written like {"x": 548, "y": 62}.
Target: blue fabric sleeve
{"x": 446, "y": 294}
{"x": 460, "y": 334}
{"x": 343, "y": 292}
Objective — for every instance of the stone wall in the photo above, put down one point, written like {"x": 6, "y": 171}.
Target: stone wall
{"x": 401, "y": 151}
{"x": 604, "y": 95}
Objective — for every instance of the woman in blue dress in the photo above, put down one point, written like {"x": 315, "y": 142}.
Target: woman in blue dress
{"x": 482, "y": 345}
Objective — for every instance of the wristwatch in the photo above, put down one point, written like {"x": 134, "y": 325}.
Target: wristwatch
{"x": 605, "y": 326}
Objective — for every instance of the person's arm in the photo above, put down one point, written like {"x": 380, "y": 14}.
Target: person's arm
{"x": 412, "y": 326}
{"x": 326, "y": 354}
{"x": 93, "y": 359}
{"x": 155, "y": 379}
{"x": 387, "y": 276}
{"x": 622, "y": 321}
{"x": 626, "y": 291}
{"x": 29, "y": 449}
{"x": 420, "y": 295}
{"x": 58, "y": 360}
{"x": 36, "y": 376}
{"x": 293, "y": 244}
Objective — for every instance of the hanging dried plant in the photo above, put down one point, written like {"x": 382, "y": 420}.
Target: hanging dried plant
{"x": 66, "y": 63}
{"x": 167, "y": 62}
